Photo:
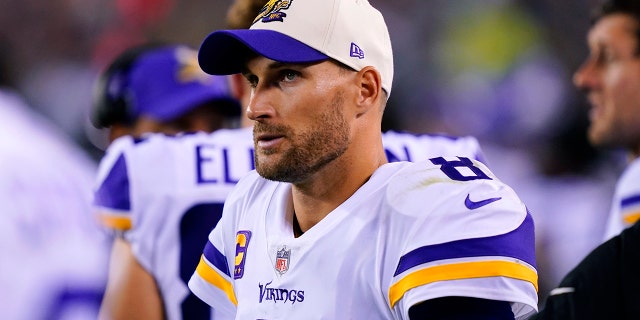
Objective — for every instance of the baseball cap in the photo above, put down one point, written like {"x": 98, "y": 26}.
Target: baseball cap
{"x": 167, "y": 82}
{"x": 303, "y": 31}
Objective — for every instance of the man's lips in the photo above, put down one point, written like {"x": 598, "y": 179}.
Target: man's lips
{"x": 595, "y": 107}
{"x": 267, "y": 140}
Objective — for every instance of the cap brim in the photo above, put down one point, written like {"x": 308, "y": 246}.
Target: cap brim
{"x": 225, "y": 51}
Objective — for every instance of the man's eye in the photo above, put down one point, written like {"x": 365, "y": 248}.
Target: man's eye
{"x": 253, "y": 80}
{"x": 289, "y": 75}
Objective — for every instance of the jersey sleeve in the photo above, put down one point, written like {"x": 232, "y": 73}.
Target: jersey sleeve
{"x": 131, "y": 198}
{"x": 625, "y": 207}
{"x": 112, "y": 198}
{"x": 469, "y": 235}
{"x": 221, "y": 262}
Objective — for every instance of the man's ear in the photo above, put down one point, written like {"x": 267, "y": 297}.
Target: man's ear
{"x": 370, "y": 89}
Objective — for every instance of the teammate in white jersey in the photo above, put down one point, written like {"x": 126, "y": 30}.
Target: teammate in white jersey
{"x": 326, "y": 228}
{"x": 153, "y": 88}
{"x": 611, "y": 76}
{"x": 165, "y": 194}
{"x": 625, "y": 207}
{"x": 54, "y": 256}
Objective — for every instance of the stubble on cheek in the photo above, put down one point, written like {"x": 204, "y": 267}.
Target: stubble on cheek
{"x": 307, "y": 152}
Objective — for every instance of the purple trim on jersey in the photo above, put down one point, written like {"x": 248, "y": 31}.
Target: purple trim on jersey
{"x": 515, "y": 244}
{"x": 137, "y": 140}
{"x": 630, "y": 201}
{"x": 394, "y": 157}
{"x": 215, "y": 257}
{"x": 114, "y": 191}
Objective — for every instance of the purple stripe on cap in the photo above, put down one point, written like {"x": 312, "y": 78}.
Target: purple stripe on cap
{"x": 225, "y": 51}
{"x": 114, "y": 191}
{"x": 215, "y": 257}
{"x": 518, "y": 244}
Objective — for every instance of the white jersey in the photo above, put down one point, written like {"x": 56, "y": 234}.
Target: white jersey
{"x": 625, "y": 207}
{"x": 54, "y": 256}
{"x": 412, "y": 232}
{"x": 167, "y": 194}
{"x": 157, "y": 188}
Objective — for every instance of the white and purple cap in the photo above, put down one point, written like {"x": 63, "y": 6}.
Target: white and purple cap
{"x": 304, "y": 31}
{"x": 166, "y": 83}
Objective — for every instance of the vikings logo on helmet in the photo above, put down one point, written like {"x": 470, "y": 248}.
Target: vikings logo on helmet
{"x": 188, "y": 68}
{"x": 271, "y": 11}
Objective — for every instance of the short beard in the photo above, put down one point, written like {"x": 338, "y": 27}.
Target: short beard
{"x": 311, "y": 150}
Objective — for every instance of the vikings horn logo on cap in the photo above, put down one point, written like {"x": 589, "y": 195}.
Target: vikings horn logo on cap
{"x": 271, "y": 11}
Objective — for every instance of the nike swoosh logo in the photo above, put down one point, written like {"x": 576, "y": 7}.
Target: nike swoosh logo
{"x": 477, "y": 204}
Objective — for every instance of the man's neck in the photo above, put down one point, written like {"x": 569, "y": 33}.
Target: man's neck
{"x": 329, "y": 188}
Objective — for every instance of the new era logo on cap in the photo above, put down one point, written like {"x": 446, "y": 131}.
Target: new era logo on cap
{"x": 356, "y": 51}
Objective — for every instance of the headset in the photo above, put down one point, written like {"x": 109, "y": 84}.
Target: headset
{"x": 112, "y": 103}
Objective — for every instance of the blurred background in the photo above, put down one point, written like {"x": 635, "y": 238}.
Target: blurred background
{"x": 496, "y": 69}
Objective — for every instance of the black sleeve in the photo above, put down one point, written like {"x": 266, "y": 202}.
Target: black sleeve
{"x": 604, "y": 285}
{"x": 461, "y": 308}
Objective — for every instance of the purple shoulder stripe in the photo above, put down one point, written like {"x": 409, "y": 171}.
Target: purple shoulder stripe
{"x": 629, "y": 201}
{"x": 114, "y": 191}
{"x": 214, "y": 256}
{"x": 518, "y": 244}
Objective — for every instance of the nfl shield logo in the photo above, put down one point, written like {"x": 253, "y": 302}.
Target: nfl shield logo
{"x": 282, "y": 260}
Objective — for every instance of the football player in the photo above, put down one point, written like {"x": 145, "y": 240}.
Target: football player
{"x": 326, "y": 226}
{"x": 164, "y": 194}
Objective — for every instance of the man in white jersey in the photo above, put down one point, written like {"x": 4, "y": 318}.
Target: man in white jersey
{"x": 208, "y": 165}
{"x": 54, "y": 256}
{"x": 165, "y": 194}
{"x": 611, "y": 77}
{"x": 326, "y": 227}
{"x": 160, "y": 88}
